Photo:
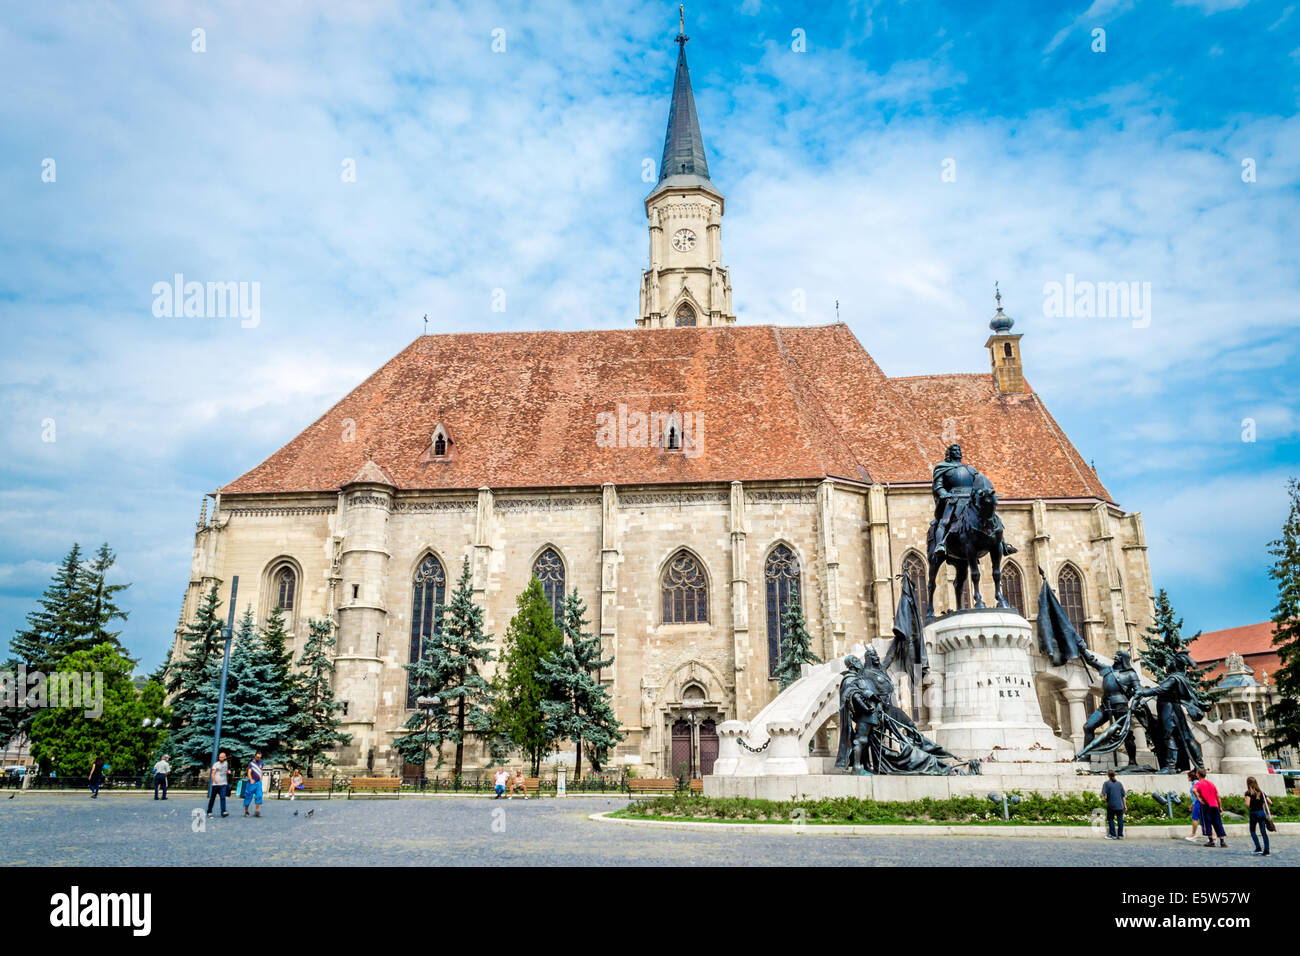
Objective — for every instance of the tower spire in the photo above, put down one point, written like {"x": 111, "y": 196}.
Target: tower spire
{"x": 686, "y": 283}
{"x": 683, "y": 144}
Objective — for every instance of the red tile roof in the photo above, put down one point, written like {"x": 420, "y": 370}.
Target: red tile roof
{"x": 772, "y": 403}
{"x": 1254, "y": 642}
{"x": 1012, "y": 438}
{"x": 1247, "y": 639}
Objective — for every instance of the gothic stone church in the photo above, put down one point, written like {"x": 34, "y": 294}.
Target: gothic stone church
{"x": 685, "y": 475}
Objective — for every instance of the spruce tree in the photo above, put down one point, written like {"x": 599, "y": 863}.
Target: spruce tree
{"x": 578, "y": 707}
{"x": 449, "y": 669}
{"x": 193, "y": 683}
{"x": 55, "y": 627}
{"x": 796, "y": 649}
{"x": 1284, "y": 713}
{"x": 314, "y": 723}
{"x": 254, "y": 715}
{"x": 429, "y": 728}
{"x": 99, "y": 602}
{"x": 159, "y": 673}
{"x": 280, "y": 656}
{"x": 531, "y": 637}
{"x": 1165, "y": 641}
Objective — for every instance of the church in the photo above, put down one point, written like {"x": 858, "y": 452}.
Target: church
{"x": 687, "y": 474}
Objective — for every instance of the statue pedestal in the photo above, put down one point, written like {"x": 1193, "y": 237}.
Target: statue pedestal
{"x": 987, "y": 698}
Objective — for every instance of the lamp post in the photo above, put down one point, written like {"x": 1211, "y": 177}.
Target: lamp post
{"x": 426, "y": 704}
{"x": 690, "y": 716}
{"x": 225, "y": 669}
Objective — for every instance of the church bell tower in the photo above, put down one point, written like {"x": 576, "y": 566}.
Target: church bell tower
{"x": 686, "y": 283}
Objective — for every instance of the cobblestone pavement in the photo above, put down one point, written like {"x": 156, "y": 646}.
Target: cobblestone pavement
{"x": 73, "y": 830}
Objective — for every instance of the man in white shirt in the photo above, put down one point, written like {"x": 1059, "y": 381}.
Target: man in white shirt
{"x": 500, "y": 783}
{"x": 160, "y": 771}
{"x": 218, "y": 787}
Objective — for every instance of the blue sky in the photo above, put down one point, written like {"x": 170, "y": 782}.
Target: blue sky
{"x": 521, "y": 170}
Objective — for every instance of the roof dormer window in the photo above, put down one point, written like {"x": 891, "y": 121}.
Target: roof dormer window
{"x": 440, "y": 444}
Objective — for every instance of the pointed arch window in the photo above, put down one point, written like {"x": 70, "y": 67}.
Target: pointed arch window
{"x": 781, "y": 576}
{"x": 1013, "y": 587}
{"x": 549, "y": 570}
{"x": 1069, "y": 590}
{"x": 914, "y": 568}
{"x": 286, "y": 586}
{"x": 685, "y": 591}
{"x": 430, "y": 593}
{"x": 439, "y": 444}
{"x": 685, "y": 315}
{"x": 672, "y": 432}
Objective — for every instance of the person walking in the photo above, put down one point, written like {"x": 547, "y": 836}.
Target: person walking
{"x": 499, "y": 783}
{"x": 1196, "y": 809}
{"x": 1259, "y": 807}
{"x": 1112, "y": 792}
{"x": 1211, "y": 811}
{"x": 96, "y": 777}
{"x": 253, "y": 785}
{"x": 160, "y": 771}
{"x": 218, "y": 786}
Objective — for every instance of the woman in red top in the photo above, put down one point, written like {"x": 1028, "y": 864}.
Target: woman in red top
{"x": 1211, "y": 812}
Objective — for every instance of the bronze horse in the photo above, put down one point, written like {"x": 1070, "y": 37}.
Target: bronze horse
{"x": 976, "y": 533}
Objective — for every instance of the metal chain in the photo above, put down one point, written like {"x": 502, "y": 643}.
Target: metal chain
{"x": 742, "y": 743}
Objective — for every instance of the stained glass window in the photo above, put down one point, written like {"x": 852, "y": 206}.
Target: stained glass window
{"x": 549, "y": 570}
{"x": 685, "y": 592}
{"x": 781, "y": 574}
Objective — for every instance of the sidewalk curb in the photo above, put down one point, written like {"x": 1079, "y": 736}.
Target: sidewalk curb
{"x": 1235, "y": 830}
{"x": 338, "y": 795}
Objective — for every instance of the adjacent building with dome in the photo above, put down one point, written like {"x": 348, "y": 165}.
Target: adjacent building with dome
{"x": 686, "y": 474}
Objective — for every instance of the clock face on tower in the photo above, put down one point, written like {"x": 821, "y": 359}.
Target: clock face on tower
{"x": 683, "y": 240}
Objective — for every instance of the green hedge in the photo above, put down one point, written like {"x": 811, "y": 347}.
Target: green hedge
{"x": 1033, "y": 808}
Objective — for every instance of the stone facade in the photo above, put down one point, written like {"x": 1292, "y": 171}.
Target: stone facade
{"x": 356, "y": 554}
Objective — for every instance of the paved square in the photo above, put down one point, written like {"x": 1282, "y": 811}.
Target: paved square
{"x": 73, "y": 830}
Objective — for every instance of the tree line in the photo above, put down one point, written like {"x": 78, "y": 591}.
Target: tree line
{"x": 546, "y": 689}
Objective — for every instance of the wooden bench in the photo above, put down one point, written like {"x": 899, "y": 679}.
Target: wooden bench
{"x": 374, "y": 785}
{"x": 311, "y": 786}
{"x": 531, "y": 786}
{"x": 651, "y": 785}
{"x": 697, "y": 785}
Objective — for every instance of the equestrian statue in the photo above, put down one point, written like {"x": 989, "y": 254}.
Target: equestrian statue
{"x": 966, "y": 527}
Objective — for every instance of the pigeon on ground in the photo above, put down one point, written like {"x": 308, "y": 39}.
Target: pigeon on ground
{"x": 310, "y": 812}
{"x": 295, "y": 813}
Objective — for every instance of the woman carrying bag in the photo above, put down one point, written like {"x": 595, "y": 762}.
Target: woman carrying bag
{"x": 1261, "y": 814}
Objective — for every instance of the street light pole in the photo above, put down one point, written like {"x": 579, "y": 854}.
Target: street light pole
{"x": 225, "y": 670}
{"x": 690, "y": 712}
